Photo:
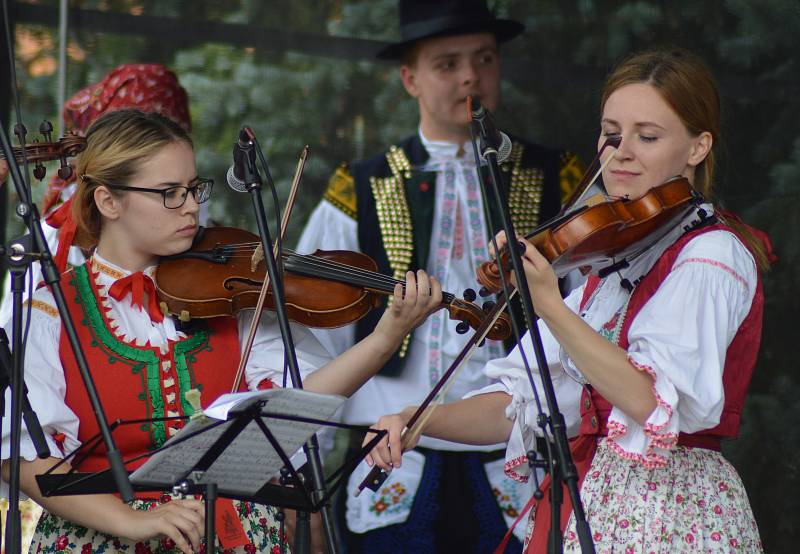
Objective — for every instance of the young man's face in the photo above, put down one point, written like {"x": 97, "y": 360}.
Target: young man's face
{"x": 445, "y": 71}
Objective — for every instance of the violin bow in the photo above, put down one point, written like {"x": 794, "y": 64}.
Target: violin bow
{"x": 262, "y": 297}
{"x": 591, "y": 174}
{"x": 436, "y": 396}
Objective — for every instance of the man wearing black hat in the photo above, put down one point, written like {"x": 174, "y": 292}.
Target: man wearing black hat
{"x": 418, "y": 205}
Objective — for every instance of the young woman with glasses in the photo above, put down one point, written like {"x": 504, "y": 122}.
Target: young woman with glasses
{"x": 137, "y": 200}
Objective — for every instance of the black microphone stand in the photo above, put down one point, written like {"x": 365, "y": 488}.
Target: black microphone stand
{"x": 563, "y": 470}
{"x": 39, "y": 248}
{"x": 252, "y": 183}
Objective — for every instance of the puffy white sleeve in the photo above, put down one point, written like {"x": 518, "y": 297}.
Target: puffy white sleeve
{"x": 46, "y": 384}
{"x": 509, "y": 376}
{"x": 680, "y": 337}
{"x": 329, "y": 228}
{"x": 265, "y": 365}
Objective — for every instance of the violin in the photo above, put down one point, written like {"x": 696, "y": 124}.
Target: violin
{"x": 68, "y": 146}
{"x": 599, "y": 236}
{"x": 327, "y": 289}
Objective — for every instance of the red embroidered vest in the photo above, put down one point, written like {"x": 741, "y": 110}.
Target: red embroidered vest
{"x": 139, "y": 382}
{"x": 740, "y": 357}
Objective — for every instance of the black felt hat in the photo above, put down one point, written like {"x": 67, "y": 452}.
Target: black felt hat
{"x": 421, "y": 19}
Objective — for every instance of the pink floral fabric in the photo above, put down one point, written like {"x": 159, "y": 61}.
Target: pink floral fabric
{"x": 696, "y": 503}
{"x": 57, "y": 535}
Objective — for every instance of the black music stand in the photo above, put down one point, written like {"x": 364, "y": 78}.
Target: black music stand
{"x": 227, "y": 457}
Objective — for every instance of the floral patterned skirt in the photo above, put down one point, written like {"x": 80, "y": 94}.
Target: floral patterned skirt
{"x": 697, "y": 503}
{"x": 55, "y": 534}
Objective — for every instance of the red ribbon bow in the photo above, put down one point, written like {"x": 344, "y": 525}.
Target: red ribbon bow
{"x": 61, "y": 219}
{"x": 137, "y": 284}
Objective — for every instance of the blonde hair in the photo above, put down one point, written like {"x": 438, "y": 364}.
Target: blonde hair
{"x": 688, "y": 87}
{"x": 116, "y": 143}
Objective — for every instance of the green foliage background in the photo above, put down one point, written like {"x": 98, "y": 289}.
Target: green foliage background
{"x": 349, "y": 108}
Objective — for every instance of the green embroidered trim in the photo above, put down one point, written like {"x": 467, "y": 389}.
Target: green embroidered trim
{"x": 184, "y": 351}
{"x": 145, "y": 358}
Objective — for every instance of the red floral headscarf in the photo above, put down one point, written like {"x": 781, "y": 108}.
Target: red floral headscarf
{"x": 147, "y": 87}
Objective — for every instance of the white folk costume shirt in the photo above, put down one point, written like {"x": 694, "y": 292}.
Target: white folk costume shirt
{"x": 458, "y": 246}
{"x": 681, "y": 334}
{"x": 45, "y": 377}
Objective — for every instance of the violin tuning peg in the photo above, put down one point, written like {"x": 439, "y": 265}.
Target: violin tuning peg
{"x": 469, "y": 295}
{"x": 39, "y": 171}
{"x": 46, "y": 129}
{"x": 462, "y": 327}
{"x": 488, "y": 306}
{"x": 65, "y": 172}
{"x": 484, "y": 292}
{"x": 20, "y": 130}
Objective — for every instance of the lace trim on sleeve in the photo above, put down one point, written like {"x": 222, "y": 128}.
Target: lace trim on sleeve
{"x": 657, "y": 437}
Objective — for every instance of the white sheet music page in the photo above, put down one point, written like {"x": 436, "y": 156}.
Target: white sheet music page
{"x": 249, "y": 461}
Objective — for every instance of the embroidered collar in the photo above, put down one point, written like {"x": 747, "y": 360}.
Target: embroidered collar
{"x": 106, "y": 273}
{"x": 442, "y": 151}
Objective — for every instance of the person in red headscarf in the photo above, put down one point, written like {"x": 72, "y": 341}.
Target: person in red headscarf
{"x": 146, "y": 87}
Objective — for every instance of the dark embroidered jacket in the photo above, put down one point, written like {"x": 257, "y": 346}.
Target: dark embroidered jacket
{"x": 393, "y": 202}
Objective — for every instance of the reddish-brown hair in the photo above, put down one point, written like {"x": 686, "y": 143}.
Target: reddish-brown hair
{"x": 688, "y": 87}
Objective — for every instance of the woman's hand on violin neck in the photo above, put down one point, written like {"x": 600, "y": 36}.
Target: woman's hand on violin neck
{"x": 410, "y": 306}
{"x": 388, "y": 453}
{"x": 542, "y": 280}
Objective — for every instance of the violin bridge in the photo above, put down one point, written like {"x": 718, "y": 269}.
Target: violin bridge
{"x": 257, "y": 257}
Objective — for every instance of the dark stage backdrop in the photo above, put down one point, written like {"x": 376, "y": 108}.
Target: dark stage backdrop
{"x": 301, "y": 72}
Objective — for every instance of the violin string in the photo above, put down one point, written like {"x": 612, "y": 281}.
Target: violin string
{"x": 310, "y": 262}
{"x": 343, "y": 269}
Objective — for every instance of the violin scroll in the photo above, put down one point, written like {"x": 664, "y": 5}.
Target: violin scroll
{"x": 471, "y": 316}
{"x": 68, "y": 146}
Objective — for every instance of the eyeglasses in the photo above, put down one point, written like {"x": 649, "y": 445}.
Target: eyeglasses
{"x": 175, "y": 197}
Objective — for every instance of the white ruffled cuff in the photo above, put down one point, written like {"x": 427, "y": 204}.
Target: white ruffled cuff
{"x": 648, "y": 444}
{"x": 516, "y": 465}
{"x": 521, "y": 439}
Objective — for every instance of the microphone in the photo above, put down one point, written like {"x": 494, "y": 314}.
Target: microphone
{"x": 242, "y": 173}
{"x": 491, "y": 138}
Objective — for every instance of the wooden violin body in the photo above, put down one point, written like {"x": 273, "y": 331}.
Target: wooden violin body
{"x": 327, "y": 289}
{"x": 222, "y": 282}
{"x": 598, "y": 236}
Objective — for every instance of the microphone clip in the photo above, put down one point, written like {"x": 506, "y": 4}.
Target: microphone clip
{"x": 243, "y": 175}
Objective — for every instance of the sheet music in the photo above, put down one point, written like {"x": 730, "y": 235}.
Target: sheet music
{"x": 249, "y": 461}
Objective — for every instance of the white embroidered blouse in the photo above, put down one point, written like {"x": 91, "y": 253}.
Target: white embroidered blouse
{"x": 680, "y": 337}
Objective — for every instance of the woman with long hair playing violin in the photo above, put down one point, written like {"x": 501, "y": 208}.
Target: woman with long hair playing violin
{"x": 138, "y": 198}
{"x": 651, "y": 364}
